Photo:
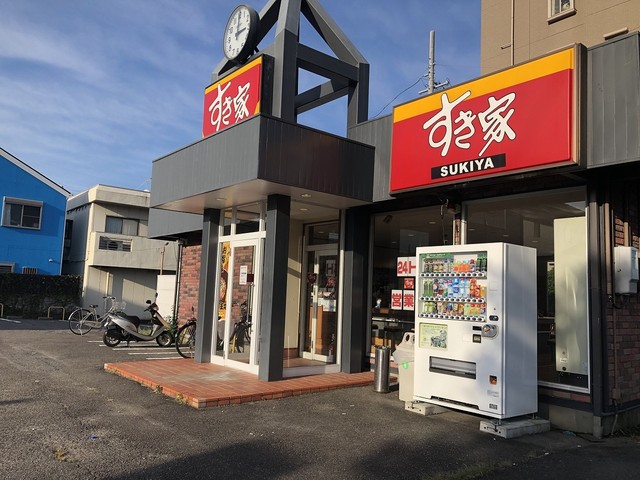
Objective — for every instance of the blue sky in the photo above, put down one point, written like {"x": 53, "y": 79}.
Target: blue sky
{"x": 94, "y": 91}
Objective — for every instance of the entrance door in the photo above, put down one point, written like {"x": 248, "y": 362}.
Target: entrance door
{"x": 237, "y": 327}
{"x": 321, "y": 326}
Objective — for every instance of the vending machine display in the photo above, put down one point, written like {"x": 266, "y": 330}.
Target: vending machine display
{"x": 475, "y": 328}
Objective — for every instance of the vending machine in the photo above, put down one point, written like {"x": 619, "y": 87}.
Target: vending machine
{"x": 476, "y": 342}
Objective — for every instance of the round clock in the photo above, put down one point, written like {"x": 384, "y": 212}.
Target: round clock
{"x": 240, "y": 33}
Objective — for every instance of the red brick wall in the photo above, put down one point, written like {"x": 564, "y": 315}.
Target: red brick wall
{"x": 189, "y": 283}
{"x": 624, "y": 346}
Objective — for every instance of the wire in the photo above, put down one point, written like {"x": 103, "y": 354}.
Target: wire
{"x": 393, "y": 99}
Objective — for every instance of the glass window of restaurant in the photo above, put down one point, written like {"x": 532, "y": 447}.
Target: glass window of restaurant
{"x": 555, "y": 224}
{"x": 395, "y": 236}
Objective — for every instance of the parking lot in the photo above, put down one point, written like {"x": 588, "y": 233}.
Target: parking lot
{"x": 135, "y": 351}
{"x": 64, "y": 417}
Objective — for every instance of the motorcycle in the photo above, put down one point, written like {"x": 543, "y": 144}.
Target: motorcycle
{"x": 122, "y": 327}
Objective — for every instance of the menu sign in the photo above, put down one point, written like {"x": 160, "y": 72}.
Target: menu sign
{"x": 514, "y": 120}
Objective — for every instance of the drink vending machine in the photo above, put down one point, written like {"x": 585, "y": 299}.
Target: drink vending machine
{"x": 476, "y": 329}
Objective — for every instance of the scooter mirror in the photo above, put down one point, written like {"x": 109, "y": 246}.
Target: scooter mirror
{"x": 148, "y": 302}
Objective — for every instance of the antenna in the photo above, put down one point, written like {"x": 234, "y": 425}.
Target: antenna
{"x": 432, "y": 66}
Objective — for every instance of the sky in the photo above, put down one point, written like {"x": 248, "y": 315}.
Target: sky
{"x": 93, "y": 91}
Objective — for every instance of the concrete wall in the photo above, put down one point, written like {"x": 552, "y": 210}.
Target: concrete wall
{"x": 535, "y": 34}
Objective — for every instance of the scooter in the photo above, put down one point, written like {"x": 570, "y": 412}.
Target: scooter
{"x": 122, "y": 327}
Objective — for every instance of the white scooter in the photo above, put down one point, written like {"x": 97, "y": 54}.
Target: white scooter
{"x": 123, "y": 327}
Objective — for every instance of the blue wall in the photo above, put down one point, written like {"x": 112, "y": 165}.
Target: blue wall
{"x": 26, "y": 247}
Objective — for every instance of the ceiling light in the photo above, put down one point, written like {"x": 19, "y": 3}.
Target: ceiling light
{"x": 304, "y": 209}
{"x": 306, "y": 195}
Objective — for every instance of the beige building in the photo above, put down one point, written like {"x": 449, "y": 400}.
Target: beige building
{"x": 106, "y": 243}
{"x": 514, "y": 31}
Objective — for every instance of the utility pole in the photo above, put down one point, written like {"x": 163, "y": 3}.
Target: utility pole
{"x": 432, "y": 60}
{"x": 431, "y": 72}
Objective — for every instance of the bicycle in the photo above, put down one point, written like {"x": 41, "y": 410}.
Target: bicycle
{"x": 83, "y": 320}
{"x": 186, "y": 339}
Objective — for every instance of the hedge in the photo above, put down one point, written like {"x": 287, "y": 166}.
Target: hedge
{"x": 31, "y": 296}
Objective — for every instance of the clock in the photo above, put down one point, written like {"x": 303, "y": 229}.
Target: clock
{"x": 240, "y": 33}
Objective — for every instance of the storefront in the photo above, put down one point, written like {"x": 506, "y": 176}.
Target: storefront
{"x": 311, "y": 237}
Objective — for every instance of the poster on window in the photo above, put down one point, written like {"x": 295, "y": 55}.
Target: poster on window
{"x": 408, "y": 283}
{"x": 396, "y": 299}
{"x": 408, "y": 300}
{"x": 330, "y": 268}
{"x": 225, "y": 253}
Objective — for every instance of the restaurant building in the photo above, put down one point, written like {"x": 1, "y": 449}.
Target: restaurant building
{"x": 312, "y": 236}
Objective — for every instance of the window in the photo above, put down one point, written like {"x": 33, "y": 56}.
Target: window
{"x": 121, "y": 226}
{"x": 243, "y": 219}
{"x": 560, "y": 9}
{"x": 21, "y": 213}
{"x": 555, "y": 224}
{"x": 6, "y": 267}
{"x": 29, "y": 270}
{"x": 396, "y": 236}
{"x": 119, "y": 245}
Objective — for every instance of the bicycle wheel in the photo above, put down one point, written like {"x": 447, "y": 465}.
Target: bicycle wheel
{"x": 186, "y": 340}
{"x": 81, "y": 321}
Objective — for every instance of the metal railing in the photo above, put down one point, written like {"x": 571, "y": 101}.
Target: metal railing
{"x": 55, "y": 307}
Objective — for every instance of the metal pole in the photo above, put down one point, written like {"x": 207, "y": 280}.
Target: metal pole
{"x": 432, "y": 60}
{"x": 513, "y": 6}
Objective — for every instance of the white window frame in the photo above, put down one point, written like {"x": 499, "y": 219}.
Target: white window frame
{"x": 30, "y": 270}
{"x": 23, "y": 203}
{"x": 559, "y": 9}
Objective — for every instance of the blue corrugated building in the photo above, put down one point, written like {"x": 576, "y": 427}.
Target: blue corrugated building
{"x": 32, "y": 226}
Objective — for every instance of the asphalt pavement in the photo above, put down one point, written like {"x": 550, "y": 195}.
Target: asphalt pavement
{"x": 62, "y": 416}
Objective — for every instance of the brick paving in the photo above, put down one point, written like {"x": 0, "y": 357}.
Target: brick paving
{"x": 202, "y": 385}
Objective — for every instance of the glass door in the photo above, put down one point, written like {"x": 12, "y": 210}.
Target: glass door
{"x": 321, "y": 323}
{"x": 236, "y": 332}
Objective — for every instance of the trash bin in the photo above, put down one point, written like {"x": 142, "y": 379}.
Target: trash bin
{"x": 381, "y": 372}
{"x": 404, "y": 356}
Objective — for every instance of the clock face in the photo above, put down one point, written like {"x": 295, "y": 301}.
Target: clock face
{"x": 239, "y": 33}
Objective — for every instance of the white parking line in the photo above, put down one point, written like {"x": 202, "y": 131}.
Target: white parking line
{"x": 149, "y": 353}
{"x": 12, "y": 321}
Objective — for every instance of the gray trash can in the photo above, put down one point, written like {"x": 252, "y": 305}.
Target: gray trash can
{"x": 381, "y": 372}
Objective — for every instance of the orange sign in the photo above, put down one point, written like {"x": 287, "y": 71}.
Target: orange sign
{"x": 514, "y": 120}
{"x": 234, "y": 98}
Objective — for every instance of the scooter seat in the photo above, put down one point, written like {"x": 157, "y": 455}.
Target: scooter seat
{"x": 133, "y": 318}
